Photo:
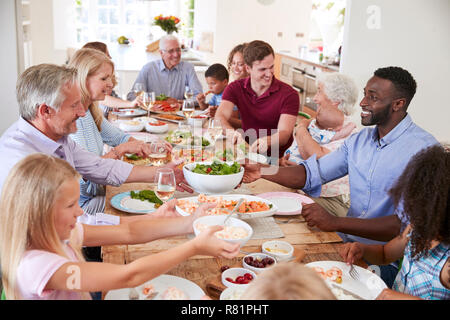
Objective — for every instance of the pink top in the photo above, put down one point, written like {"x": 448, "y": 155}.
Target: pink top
{"x": 38, "y": 266}
{"x": 263, "y": 112}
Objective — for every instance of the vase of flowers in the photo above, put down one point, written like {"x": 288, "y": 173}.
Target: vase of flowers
{"x": 169, "y": 23}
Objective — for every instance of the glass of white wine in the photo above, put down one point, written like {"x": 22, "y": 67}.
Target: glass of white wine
{"x": 188, "y": 108}
{"x": 138, "y": 88}
{"x": 188, "y": 93}
{"x": 166, "y": 185}
{"x": 214, "y": 128}
{"x": 148, "y": 99}
{"x": 158, "y": 153}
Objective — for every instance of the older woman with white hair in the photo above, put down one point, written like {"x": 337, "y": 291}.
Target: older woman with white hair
{"x": 168, "y": 75}
{"x": 338, "y": 92}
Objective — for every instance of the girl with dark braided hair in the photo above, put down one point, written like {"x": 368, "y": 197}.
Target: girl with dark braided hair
{"x": 424, "y": 191}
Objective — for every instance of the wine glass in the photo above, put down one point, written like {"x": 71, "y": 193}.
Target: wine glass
{"x": 188, "y": 108}
{"x": 188, "y": 93}
{"x": 166, "y": 185}
{"x": 138, "y": 88}
{"x": 148, "y": 99}
{"x": 214, "y": 128}
{"x": 158, "y": 153}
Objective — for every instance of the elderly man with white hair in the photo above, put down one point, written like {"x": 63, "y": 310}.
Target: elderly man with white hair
{"x": 168, "y": 75}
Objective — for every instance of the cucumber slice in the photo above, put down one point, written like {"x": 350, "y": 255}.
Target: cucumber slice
{"x": 303, "y": 114}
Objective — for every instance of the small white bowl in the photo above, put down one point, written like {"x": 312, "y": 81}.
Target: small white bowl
{"x": 258, "y": 256}
{"x": 130, "y": 125}
{"x": 211, "y": 184}
{"x": 156, "y": 128}
{"x": 232, "y": 222}
{"x": 233, "y": 273}
{"x": 197, "y": 122}
{"x": 280, "y": 250}
{"x": 232, "y": 293}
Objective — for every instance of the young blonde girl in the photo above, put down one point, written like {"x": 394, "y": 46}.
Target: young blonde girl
{"x": 40, "y": 238}
{"x": 424, "y": 191}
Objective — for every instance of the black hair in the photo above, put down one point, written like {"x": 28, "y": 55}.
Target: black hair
{"x": 403, "y": 81}
{"x": 217, "y": 71}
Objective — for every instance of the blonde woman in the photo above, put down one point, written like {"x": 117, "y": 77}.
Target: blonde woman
{"x": 94, "y": 77}
{"x": 39, "y": 263}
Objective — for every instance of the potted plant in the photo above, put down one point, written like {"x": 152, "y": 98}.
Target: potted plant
{"x": 168, "y": 23}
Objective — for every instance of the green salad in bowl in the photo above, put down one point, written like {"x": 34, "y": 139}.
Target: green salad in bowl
{"x": 217, "y": 168}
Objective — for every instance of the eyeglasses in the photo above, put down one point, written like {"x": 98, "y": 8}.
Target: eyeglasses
{"x": 172, "y": 51}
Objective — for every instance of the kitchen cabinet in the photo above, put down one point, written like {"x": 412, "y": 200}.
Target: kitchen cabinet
{"x": 301, "y": 75}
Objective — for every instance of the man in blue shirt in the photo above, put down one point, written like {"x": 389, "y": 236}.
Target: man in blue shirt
{"x": 373, "y": 158}
{"x": 168, "y": 75}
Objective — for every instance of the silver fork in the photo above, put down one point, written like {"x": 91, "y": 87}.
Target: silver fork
{"x": 353, "y": 273}
{"x": 234, "y": 210}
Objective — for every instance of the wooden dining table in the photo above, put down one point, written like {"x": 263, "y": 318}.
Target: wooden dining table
{"x": 310, "y": 244}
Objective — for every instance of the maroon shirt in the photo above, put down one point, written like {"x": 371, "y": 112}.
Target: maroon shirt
{"x": 263, "y": 112}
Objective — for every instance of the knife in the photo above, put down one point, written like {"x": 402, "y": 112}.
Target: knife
{"x": 354, "y": 295}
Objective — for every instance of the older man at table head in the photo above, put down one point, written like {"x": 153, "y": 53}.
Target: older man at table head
{"x": 168, "y": 75}
{"x": 267, "y": 106}
{"x": 50, "y": 103}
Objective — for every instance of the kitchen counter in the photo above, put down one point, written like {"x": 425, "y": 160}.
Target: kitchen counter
{"x": 309, "y": 60}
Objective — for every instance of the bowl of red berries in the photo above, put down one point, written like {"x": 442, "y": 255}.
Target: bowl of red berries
{"x": 258, "y": 262}
{"x": 235, "y": 277}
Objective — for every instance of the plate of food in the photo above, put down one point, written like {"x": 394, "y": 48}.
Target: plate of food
{"x": 164, "y": 287}
{"x": 137, "y": 201}
{"x": 186, "y": 139}
{"x": 136, "y": 160}
{"x": 165, "y": 104}
{"x": 288, "y": 203}
{"x": 169, "y": 117}
{"x": 252, "y": 207}
{"x": 129, "y": 112}
{"x": 193, "y": 155}
{"x": 344, "y": 287}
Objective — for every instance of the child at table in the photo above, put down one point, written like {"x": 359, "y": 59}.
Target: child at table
{"x": 40, "y": 238}
{"x": 423, "y": 190}
{"x": 217, "y": 79}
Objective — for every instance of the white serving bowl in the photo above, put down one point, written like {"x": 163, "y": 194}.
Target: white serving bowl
{"x": 280, "y": 250}
{"x": 197, "y": 122}
{"x": 233, "y": 273}
{"x": 130, "y": 125}
{"x": 258, "y": 256}
{"x": 156, "y": 129}
{"x": 232, "y": 222}
{"x": 233, "y": 293}
{"x": 211, "y": 184}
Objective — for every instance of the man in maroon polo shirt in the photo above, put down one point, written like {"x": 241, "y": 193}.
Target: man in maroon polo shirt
{"x": 265, "y": 104}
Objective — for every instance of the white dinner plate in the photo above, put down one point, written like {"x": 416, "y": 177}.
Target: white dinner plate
{"x": 236, "y": 197}
{"x": 288, "y": 203}
{"x": 124, "y": 202}
{"x": 160, "y": 284}
{"x": 129, "y": 112}
{"x": 368, "y": 287}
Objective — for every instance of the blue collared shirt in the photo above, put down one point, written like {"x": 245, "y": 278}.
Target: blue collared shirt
{"x": 22, "y": 139}
{"x": 373, "y": 166}
{"x": 157, "y": 78}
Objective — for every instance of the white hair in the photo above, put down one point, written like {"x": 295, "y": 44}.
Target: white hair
{"x": 165, "y": 39}
{"x": 339, "y": 88}
{"x": 40, "y": 84}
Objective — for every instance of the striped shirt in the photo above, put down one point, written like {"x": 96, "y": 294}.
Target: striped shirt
{"x": 421, "y": 278}
{"x": 89, "y": 138}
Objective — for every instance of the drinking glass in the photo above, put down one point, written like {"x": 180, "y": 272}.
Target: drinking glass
{"x": 188, "y": 108}
{"x": 138, "y": 88}
{"x": 214, "y": 128}
{"x": 148, "y": 99}
{"x": 166, "y": 185}
{"x": 188, "y": 93}
{"x": 158, "y": 153}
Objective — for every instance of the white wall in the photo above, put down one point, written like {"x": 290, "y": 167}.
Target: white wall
{"x": 8, "y": 65}
{"x": 412, "y": 34}
{"x": 238, "y": 21}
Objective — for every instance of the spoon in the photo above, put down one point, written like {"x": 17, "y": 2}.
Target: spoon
{"x": 234, "y": 210}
